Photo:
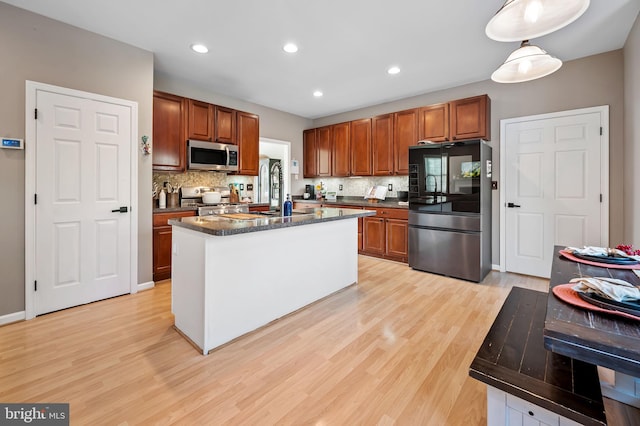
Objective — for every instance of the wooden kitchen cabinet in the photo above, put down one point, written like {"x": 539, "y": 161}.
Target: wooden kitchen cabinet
{"x": 169, "y": 132}
{"x": 200, "y": 120}
{"x": 434, "y": 123}
{"x": 382, "y": 145}
{"x": 310, "y": 154}
{"x": 224, "y": 128}
{"x": 248, "y": 135}
{"x": 324, "y": 137}
{"x": 373, "y": 235}
{"x": 340, "y": 150}
{"x": 360, "y": 139}
{"x": 386, "y": 234}
{"x": 405, "y": 135}
{"x": 213, "y": 123}
{"x": 397, "y": 236}
{"x": 471, "y": 118}
{"x": 162, "y": 243}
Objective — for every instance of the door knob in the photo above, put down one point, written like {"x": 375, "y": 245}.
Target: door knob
{"x": 120, "y": 210}
{"x": 511, "y": 205}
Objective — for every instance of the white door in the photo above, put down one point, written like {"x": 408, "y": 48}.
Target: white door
{"x": 553, "y": 187}
{"x": 83, "y": 173}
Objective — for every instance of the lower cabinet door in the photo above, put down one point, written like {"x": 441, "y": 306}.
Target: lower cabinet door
{"x": 161, "y": 253}
{"x": 397, "y": 238}
{"x": 374, "y": 235}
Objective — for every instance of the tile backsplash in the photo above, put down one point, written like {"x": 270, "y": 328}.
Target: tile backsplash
{"x": 193, "y": 178}
{"x": 356, "y": 187}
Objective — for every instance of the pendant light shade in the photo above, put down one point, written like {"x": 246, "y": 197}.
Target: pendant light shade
{"x": 525, "y": 64}
{"x": 526, "y": 19}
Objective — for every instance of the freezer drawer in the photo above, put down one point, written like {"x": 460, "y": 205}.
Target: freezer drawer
{"x": 451, "y": 253}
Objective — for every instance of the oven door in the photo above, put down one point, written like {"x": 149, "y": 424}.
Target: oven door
{"x": 213, "y": 156}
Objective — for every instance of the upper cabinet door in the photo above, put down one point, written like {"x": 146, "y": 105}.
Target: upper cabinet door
{"x": 382, "y": 144}
{"x": 434, "y": 123}
{"x": 471, "y": 118}
{"x": 324, "y": 137}
{"x": 225, "y": 125}
{"x": 341, "y": 165}
{"x": 310, "y": 153}
{"x": 200, "y": 120}
{"x": 169, "y": 131}
{"x": 248, "y": 143}
{"x": 360, "y": 136}
{"x": 405, "y": 135}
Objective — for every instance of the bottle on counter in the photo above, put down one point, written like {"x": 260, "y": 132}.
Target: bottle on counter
{"x": 287, "y": 208}
{"x": 162, "y": 199}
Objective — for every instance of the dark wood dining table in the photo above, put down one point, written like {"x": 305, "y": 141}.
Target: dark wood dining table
{"x": 594, "y": 337}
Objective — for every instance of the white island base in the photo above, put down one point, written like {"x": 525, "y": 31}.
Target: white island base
{"x": 226, "y": 286}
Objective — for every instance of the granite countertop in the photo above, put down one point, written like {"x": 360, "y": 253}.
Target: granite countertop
{"x": 187, "y": 209}
{"x": 355, "y": 201}
{"x": 223, "y": 225}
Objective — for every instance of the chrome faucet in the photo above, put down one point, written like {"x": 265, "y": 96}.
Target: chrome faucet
{"x": 435, "y": 183}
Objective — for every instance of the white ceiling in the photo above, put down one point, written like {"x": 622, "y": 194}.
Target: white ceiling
{"x": 346, "y": 46}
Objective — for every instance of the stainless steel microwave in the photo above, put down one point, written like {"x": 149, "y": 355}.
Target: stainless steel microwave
{"x": 213, "y": 156}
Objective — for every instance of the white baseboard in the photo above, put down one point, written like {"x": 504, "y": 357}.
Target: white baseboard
{"x": 146, "y": 286}
{"x": 495, "y": 267}
{"x": 14, "y": 317}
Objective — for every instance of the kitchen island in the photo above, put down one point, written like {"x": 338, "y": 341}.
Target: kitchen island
{"x": 232, "y": 274}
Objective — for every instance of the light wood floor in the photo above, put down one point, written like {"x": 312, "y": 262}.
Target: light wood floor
{"x": 395, "y": 349}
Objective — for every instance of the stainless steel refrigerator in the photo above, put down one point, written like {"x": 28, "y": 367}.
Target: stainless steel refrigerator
{"x": 270, "y": 182}
{"x": 450, "y": 209}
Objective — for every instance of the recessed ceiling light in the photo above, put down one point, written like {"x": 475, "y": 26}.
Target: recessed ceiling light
{"x": 393, "y": 70}
{"x": 200, "y": 48}
{"x": 290, "y": 48}
{"x": 318, "y": 94}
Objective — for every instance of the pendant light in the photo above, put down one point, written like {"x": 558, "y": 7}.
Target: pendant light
{"x": 526, "y": 19}
{"x": 525, "y": 64}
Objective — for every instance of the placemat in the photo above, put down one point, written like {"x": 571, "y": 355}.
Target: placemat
{"x": 566, "y": 293}
{"x": 570, "y": 256}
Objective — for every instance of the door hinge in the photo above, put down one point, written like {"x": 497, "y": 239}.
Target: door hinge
{"x": 600, "y": 130}
{"x": 35, "y": 198}
{"x": 35, "y": 286}
{"x": 35, "y": 115}
{"x": 600, "y": 197}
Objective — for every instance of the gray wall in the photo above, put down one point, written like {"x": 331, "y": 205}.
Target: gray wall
{"x": 632, "y": 136}
{"x": 593, "y": 81}
{"x": 274, "y": 124}
{"x": 47, "y": 51}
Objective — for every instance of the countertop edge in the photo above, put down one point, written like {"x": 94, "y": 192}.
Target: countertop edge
{"x": 353, "y": 214}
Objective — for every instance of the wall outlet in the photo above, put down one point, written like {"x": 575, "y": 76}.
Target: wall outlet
{"x": 249, "y": 187}
{"x": 390, "y": 187}
{"x": 242, "y": 187}
{"x": 494, "y": 184}
{"x": 340, "y": 187}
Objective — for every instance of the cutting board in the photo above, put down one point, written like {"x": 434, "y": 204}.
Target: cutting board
{"x": 243, "y": 216}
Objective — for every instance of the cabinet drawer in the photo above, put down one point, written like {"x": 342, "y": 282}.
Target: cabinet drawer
{"x": 305, "y": 205}
{"x": 161, "y": 219}
{"x": 520, "y": 411}
{"x": 393, "y": 213}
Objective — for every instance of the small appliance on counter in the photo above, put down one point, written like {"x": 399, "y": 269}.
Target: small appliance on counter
{"x": 331, "y": 196}
{"x": 309, "y": 192}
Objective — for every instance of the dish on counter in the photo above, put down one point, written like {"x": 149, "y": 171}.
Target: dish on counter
{"x": 629, "y": 307}
{"x": 610, "y": 258}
